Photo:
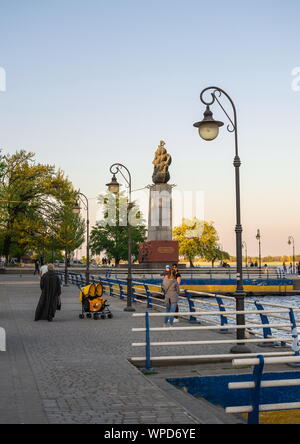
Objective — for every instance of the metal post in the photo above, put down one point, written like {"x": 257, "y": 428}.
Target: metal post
{"x": 192, "y": 319}
{"x": 149, "y": 296}
{"x": 253, "y": 418}
{"x": 224, "y": 319}
{"x": 148, "y": 343}
{"x": 239, "y": 294}
{"x": 66, "y": 269}
{"x": 115, "y": 169}
{"x": 266, "y": 330}
{"x": 296, "y": 344}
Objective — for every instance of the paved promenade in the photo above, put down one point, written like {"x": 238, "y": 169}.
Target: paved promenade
{"x": 73, "y": 371}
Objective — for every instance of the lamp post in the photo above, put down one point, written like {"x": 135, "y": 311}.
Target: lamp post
{"x": 114, "y": 187}
{"x": 291, "y": 241}
{"x": 209, "y": 130}
{"x": 76, "y": 210}
{"x": 258, "y": 237}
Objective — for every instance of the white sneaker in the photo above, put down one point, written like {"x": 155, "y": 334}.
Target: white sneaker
{"x": 176, "y": 321}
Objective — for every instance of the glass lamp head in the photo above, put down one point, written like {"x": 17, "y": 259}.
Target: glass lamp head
{"x": 208, "y": 127}
{"x": 113, "y": 186}
{"x": 76, "y": 208}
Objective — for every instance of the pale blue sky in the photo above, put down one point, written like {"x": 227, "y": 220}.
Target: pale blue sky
{"x": 93, "y": 82}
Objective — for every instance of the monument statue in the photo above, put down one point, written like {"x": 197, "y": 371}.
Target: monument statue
{"x": 161, "y": 164}
{"x": 160, "y": 249}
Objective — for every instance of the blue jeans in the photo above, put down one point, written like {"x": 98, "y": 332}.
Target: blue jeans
{"x": 170, "y": 308}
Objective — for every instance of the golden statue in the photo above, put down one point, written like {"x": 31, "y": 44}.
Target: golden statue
{"x": 161, "y": 164}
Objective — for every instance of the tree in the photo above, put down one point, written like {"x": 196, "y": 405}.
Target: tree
{"x": 30, "y": 194}
{"x": 197, "y": 239}
{"x": 110, "y": 236}
{"x": 68, "y": 232}
{"x": 215, "y": 253}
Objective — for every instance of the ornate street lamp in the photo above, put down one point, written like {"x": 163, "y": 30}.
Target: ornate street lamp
{"x": 76, "y": 210}
{"x": 258, "y": 237}
{"x": 114, "y": 187}
{"x": 209, "y": 130}
{"x": 291, "y": 241}
{"x": 208, "y": 127}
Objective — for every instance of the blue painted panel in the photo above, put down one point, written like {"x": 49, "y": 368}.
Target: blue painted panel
{"x": 215, "y": 389}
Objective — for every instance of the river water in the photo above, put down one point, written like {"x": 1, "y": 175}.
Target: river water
{"x": 292, "y": 301}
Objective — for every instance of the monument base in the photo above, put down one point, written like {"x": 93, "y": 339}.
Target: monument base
{"x": 159, "y": 252}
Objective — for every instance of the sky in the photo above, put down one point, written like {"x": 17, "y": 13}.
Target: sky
{"x": 90, "y": 83}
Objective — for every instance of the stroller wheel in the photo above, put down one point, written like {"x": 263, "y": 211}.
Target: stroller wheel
{"x": 89, "y": 316}
{"x": 81, "y": 316}
{"x": 110, "y": 316}
{"x": 103, "y": 316}
{"x": 96, "y": 317}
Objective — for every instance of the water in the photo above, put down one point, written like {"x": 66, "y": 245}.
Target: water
{"x": 292, "y": 301}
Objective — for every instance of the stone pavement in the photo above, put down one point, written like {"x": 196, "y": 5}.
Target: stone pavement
{"x": 76, "y": 371}
{"x": 72, "y": 371}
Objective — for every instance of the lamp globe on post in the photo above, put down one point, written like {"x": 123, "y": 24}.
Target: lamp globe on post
{"x": 208, "y": 127}
{"x": 113, "y": 186}
{"x": 76, "y": 208}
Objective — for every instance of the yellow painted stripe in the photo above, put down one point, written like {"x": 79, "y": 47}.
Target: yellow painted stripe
{"x": 232, "y": 288}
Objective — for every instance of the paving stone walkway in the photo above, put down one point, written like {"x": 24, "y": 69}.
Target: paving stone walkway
{"x": 76, "y": 371}
{"x": 72, "y": 371}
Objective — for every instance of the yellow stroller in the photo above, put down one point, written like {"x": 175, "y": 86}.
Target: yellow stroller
{"x": 94, "y": 305}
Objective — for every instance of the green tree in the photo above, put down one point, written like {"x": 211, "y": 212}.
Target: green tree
{"x": 30, "y": 194}
{"x": 67, "y": 232}
{"x": 110, "y": 235}
{"x": 214, "y": 253}
{"x": 197, "y": 239}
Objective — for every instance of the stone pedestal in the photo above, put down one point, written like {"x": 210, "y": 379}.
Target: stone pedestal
{"x": 160, "y": 248}
{"x": 159, "y": 252}
{"x": 160, "y": 213}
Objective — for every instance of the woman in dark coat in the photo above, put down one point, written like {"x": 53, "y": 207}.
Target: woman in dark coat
{"x": 50, "y": 299}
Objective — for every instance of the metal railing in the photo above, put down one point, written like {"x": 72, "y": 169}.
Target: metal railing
{"x": 189, "y": 302}
{"x": 257, "y": 385}
{"x": 276, "y": 327}
{"x": 200, "y": 273}
{"x": 148, "y": 331}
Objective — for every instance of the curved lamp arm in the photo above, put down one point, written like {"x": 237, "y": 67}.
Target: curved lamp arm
{"x": 217, "y": 93}
{"x": 117, "y": 168}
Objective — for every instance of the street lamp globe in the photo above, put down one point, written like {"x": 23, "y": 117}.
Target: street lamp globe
{"x": 76, "y": 208}
{"x": 208, "y": 127}
{"x": 113, "y": 186}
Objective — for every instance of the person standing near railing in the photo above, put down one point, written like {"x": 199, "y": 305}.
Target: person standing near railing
{"x": 178, "y": 279}
{"x": 171, "y": 290}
